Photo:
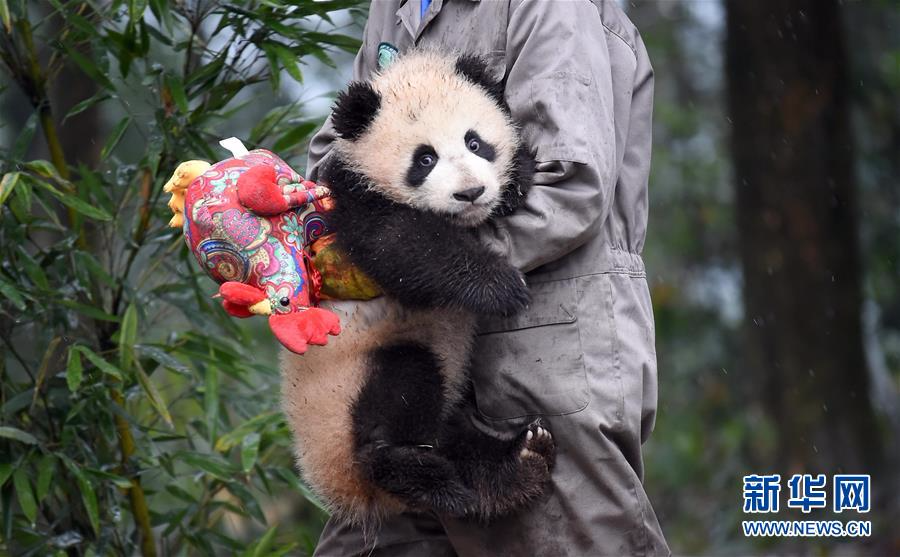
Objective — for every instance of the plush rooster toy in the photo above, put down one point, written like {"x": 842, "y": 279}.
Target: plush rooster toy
{"x": 249, "y": 220}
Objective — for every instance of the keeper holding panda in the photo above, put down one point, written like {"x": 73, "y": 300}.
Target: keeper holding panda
{"x": 580, "y": 357}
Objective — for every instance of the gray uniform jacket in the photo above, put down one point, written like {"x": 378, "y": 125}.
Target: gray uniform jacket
{"x": 582, "y": 356}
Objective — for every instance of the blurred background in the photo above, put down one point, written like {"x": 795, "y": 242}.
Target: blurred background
{"x": 137, "y": 418}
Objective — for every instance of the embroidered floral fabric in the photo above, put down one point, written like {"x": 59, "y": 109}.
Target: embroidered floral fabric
{"x": 231, "y": 243}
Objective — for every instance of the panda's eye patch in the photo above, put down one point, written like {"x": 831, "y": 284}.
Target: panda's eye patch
{"x": 424, "y": 159}
{"x": 480, "y": 147}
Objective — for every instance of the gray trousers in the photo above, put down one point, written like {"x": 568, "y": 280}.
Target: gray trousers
{"x": 594, "y": 384}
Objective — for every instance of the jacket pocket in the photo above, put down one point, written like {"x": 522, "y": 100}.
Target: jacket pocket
{"x": 532, "y": 364}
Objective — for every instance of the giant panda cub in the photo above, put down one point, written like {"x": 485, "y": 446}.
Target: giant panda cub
{"x": 426, "y": 151}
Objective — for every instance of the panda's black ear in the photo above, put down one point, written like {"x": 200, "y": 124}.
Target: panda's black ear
{"x": 355, "y": 109}
{"x": 475, "y": 69}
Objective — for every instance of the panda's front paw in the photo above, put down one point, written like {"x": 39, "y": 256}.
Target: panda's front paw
{"x": 506, "y": 293}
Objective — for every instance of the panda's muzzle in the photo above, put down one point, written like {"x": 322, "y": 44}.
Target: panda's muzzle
{"x": 469, "y": 195}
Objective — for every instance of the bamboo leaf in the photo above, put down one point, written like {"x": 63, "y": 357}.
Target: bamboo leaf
{"x": 20, "y": 203}
{"x": 5, "y": 17}
{"x": 257, "y": 423}
{"x": 207, "y": 72}
{"x": 176, "y": 87}
{"x": 88, "y": 261}
{"x": 44, "y": 368}
{"x": 263, "y": 545}
{"x": 274, "y": 117}
{"x": 86, "y": 104}
{"x": 18, "y": 435}
{"x": 115, "y": 136}
{"x": 294, "y": 136}
{"x": 45, "y": 475}
{"x": 88, "y": 495}
{"x": 289, "y": 60}
{"x": 249, "y": 504}
{"x": 211, "y": 399}
{"x": 153, "y": 394}
{"x": 32, "y": 269}
{"x": 12, "y": 294}
{"x": 181, "y": 494}
{"x": 162, "y": 13}
{"x": 274, "y": 69}
{"x": 127, "y": 336}
{"x": 214, "y": 466}
{"x": 85, "y": 208}
{"x": 16, "y": 403}
{"x": 163, "y": 358}
{"x": 73, "y": 201}
{"x": 73, "y": 18}
{"x": 6, "y": 470}
{"x": 8, "y": 183}
{"x": 99, "y": 362}
{"x": 43, "y": 168}
{"x": 120, "y": 481}
{"x": 249, "y": 450}
{"x": 90, "y": 311}
{"x": 24, "y": 494}
{"x": 74, "y": 370}
{"x": 20, "y": 148}
{"x": 88, "y": 67}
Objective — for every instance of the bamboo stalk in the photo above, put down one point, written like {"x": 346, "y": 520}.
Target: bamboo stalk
{"x": 135, "y": 493}
{"x": 41, "y": 101}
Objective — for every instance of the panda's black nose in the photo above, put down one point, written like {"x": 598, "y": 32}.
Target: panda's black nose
{"x": 469, "y": 195}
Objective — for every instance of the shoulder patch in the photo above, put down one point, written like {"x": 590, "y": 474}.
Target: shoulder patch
{"x": 387, "y": 53}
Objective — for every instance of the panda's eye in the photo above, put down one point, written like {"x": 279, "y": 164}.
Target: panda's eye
{"x": 480, "y": 147}
{"x": 421, "y": 164}
{"x": 285, "y": 302}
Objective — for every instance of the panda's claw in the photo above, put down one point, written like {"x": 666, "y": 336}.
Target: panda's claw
{"x": 537, "y": 442}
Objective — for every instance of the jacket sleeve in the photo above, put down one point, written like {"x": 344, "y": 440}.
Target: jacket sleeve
{"x": 320, "y": 144}
{"x": 559, "y": 89}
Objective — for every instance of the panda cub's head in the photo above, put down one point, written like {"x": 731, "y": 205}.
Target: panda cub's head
{"x": 432, "y": 132}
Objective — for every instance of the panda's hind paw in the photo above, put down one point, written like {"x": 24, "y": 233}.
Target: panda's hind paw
{"x": 538, "y": 443}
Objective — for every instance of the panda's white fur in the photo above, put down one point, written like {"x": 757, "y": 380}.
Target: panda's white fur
{"x": 423, "y": 100}
{"x": 320, "y": 387}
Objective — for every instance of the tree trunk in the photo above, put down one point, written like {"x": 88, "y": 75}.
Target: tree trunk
{"x": 70, "y": 87}
{"x": 786, "y": 67}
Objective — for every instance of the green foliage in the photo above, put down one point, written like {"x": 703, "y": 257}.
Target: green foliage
{"x": 135, "y": 415}
{"x": 712, "y": 427}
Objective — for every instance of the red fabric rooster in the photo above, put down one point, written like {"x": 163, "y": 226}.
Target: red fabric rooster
{"x": 249, "y": 221}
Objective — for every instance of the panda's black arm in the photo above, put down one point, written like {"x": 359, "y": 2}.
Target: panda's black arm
{"x": 445, "y": 265}
{"x": 424, "y": 261}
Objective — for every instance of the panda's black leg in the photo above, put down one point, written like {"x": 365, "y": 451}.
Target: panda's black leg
{"x": 397, "y": 420}
{"x": 421, "y": 478}
{"x": 506, "y": 473}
